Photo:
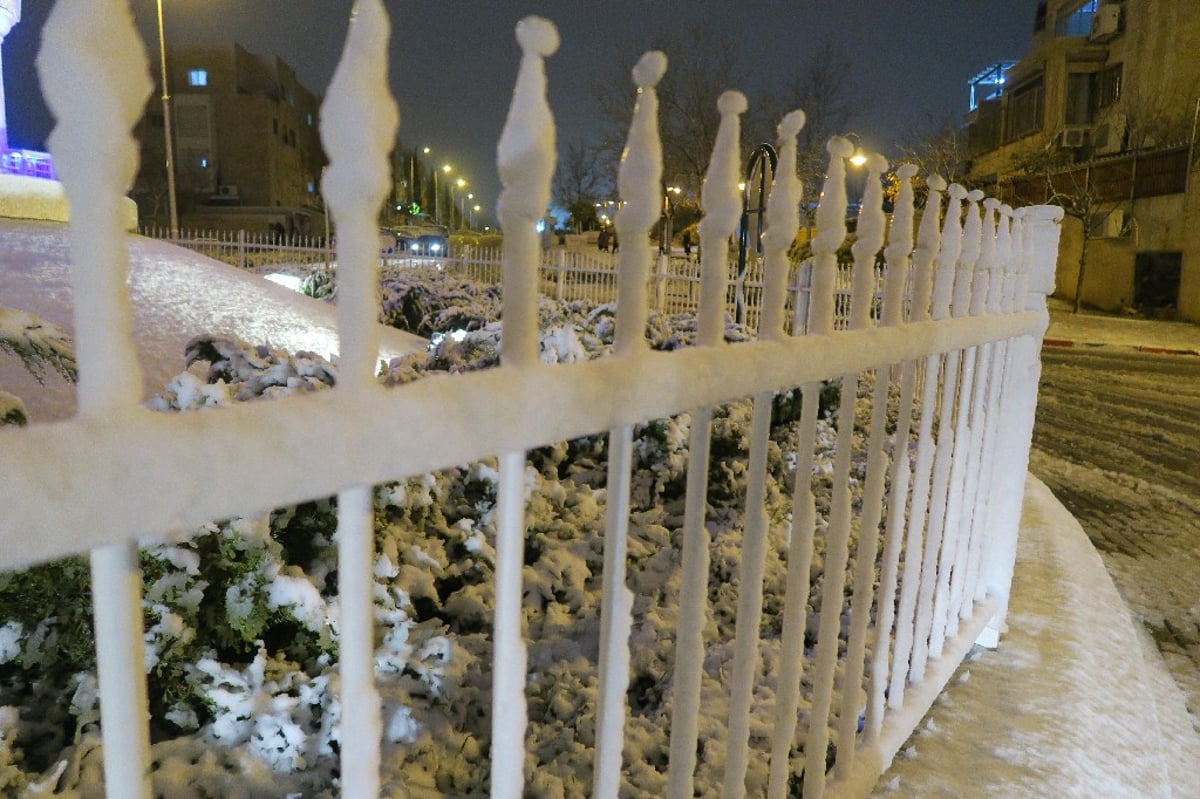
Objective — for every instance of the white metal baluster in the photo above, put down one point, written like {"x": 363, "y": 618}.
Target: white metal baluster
{"x": 896, "y": 280}
{"x": 782, "y": 222}
{"x": 358, "y": 129}
{"x": 928, "y": 243}
{"x": 993, "y": 408}
{"x": 962, "y": 583}
{"x": 93, "y": 69}
{"x": 639, "y": 179}
{"x": 526, "y": 158}
{"x": 943, "y": 286}
{"x": 871, "y": 224}
{"x": 722, "y": 206}
{"x": 953, "y": 543}
{"x": 831, "y": 233}
{"x": 800, "y": 555}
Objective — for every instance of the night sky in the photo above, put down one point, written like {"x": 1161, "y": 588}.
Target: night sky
{"x": 453, "y": 62}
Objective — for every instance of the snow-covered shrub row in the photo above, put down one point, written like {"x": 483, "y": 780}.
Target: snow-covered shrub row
{"x": 241, "y": 619}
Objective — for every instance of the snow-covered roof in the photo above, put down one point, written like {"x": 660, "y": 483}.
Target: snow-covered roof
{"x": 175, "y": 294}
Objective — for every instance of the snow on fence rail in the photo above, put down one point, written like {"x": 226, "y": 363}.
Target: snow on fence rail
{"x": 915, "y": 542}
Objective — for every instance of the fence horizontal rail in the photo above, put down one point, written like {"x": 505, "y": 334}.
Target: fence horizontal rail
{"x": 117, "y": 456}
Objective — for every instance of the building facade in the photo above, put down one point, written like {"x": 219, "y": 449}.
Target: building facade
{"x": 246, "y": 143}
{"x": 1100, "y": 116}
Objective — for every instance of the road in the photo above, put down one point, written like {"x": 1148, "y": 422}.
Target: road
{"x": 1117, "y": 439}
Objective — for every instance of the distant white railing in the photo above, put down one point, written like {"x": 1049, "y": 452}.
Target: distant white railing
{"x": 934, "y": 536}
{"x": 674, "y": 284}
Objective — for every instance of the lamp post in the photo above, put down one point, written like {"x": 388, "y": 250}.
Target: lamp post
{"x": 460, "y": 183}
{"x": 166, "y": 101}
{"x": 474, "y": 208}
{"x": 436, "y": 214}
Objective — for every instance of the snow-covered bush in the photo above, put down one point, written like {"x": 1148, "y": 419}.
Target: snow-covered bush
{"x": 241, "y": 618}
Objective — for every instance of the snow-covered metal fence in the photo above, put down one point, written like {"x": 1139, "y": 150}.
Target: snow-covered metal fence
{"x": 915, "y": 549}
{"x": 246, "y": 249}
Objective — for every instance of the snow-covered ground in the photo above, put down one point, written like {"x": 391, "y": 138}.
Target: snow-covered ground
{"x": 1076, "y": 701}
{"x": 175, "y": 295}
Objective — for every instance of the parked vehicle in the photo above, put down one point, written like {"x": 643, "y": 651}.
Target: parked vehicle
{"x": 421, "y": 239}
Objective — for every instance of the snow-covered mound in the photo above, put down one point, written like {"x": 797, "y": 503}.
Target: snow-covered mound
{"x": 23, "y": 197}
{"x": 175, "y": 294}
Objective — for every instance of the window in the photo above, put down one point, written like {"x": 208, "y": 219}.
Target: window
{"x": 204, "y": 163}
{"x": 197, "y": 77}
{"x": 1025, "y": 109}
{"x": 1075, "y": 19}
{"x": 311, "y": 187}
{"x": 1108, "y": 85}
{"x": 1079, "y": 94}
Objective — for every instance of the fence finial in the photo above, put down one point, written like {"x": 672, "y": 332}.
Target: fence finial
{"x": 831, "y": 232}
{"x": 640, "y": 183}
{"x": 722, "y": 210}
{"x": 929, "y": 239}
{"x": 783, "y": 220}
{"x": 947, "y": 258}
{"x": 998, "y": 300}
{"x": 965, "y": 270}
{"x": 358, "y": 128}
{"x": 526, "y": 158}
{"x": 96, "y": 80}
{"x": 899, "y": 247}
{"x": 871, "y": 224}
{"x": 986, "y": 268}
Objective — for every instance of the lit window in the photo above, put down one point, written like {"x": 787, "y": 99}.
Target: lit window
{"x": 204, "y": 163}
{"x": 1076, "y": 18}
{"x": 197, "y": 77}
{"x": 311, "y": 187}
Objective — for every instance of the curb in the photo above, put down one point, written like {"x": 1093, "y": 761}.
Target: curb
{"x": 1065, "y": 342}
{"x": 1166, "y": 351}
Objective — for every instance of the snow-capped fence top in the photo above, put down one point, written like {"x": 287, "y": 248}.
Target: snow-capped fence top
{"x": 957, "y": 345}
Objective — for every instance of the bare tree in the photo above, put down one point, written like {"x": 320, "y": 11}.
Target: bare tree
{"x": 579, "y": 183}
{"x": 821, "y": 87}
{"x": 702, "y": 65}
{"x": 938, "y": 149}
{"x": 1049, "y": 175}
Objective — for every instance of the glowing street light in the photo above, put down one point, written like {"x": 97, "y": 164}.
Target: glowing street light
{"x": 166, "y": 101}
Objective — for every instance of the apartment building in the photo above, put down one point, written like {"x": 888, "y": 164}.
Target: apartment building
{"x": 1100, "y": 116}
{"x": 246, "y": 144}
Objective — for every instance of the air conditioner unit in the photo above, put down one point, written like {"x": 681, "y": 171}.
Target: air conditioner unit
{"x": 227, "y": 191}
{"x": 1073, "y": 138}
{"x": 1106, "y": 23}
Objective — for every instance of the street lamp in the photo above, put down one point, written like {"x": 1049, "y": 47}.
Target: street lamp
{"x": 474, "y": 208}
{"x": 166, "y": 101}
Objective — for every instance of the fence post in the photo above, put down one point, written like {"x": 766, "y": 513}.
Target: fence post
{"x": 1042, "y": 225}
{"x": 660, "y": 283}
{"x": 560, "y": 264}
{"x": 241, "y": 249}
